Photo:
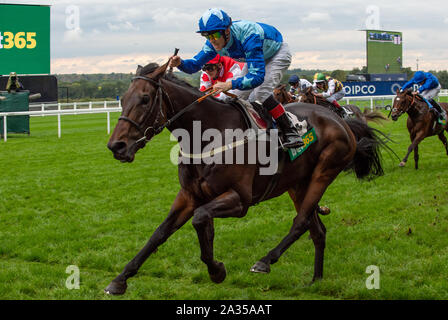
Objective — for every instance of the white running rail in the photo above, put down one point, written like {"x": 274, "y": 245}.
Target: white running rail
{"x": 77, "y": 108}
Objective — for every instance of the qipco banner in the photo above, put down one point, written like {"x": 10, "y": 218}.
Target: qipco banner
{"x": 24, "y": 39}
{"x": 373, "y": 88}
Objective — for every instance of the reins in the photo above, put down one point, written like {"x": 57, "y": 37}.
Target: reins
{"x": 159, "y": 96}
{"x": 407, "y": 109}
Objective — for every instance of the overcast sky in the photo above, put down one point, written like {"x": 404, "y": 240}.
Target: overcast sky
{"x": 116, "y": 35}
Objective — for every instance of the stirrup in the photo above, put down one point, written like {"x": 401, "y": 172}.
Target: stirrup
{"x": 296, "y": 143}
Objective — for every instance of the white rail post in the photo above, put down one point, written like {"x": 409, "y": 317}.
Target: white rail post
{"x": 371, "y": 103}
{"x": 105, "y": 104}
{"x": 59, "y": 120}
{"x": 90, "y": 105}
{"x": 42, "y": 108}
{"x": 5, "y": 129}
{"x": 108, "y": 122}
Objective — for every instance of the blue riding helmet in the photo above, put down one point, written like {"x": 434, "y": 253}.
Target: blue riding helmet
{"x": 419, "y": 76}
{"x": 293, "y": 79}
{"x": 214, "y": 19}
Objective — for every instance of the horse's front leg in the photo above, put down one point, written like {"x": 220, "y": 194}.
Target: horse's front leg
{"x": 444, "y": 141}
{"x": 228, "y": 204}
{"x": 181, "y": 211}
{"x": 415, "y": 141}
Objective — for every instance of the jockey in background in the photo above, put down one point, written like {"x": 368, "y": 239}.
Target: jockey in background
{"x": 267, "y": 57}
{"x": 428, "y": 90}
{"x": 298, "y": 85}
{"x": 222, "y": 69}
{"x": 330, "y": 89}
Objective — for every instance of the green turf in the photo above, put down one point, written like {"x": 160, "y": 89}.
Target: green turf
{"x": 68, "y": 202}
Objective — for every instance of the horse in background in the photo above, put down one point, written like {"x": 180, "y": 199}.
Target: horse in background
{"x": 421, "y": 122}
{"x": 307, "y": 96}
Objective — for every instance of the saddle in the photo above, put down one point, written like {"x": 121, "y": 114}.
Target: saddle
{"x": 257, "y": 118}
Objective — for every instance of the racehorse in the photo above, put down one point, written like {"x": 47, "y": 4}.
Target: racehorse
{"x": 282, "y": 95}
{"x": 421, "y": 122}
{"x": 308, "y": 96}
{"x": 156, "y": 99}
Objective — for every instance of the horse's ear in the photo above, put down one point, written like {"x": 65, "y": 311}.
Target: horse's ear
{"x": 160, "y": 71}
{"x": 139, "y": 69}
{"x": 397, "y": 91}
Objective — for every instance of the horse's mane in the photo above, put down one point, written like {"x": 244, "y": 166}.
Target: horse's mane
{"x": 151, "y": 67}
{"x": 281, "y": 86}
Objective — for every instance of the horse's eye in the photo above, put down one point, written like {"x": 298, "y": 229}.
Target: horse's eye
{"x": 145, "y": 99}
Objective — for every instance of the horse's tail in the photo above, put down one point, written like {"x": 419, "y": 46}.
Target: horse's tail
{"x": 367, "y": 160}
{"x": 374, "y": 116}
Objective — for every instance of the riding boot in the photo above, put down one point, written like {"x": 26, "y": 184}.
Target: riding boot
{"x": 436, "y": 112}
{"x": 340, "y": 111}
{"x": 290, "y": 136}
{"x": 438, "y": 108}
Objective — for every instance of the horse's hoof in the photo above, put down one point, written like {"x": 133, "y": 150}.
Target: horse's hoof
{"x": 402, "y": 164}
{"x": 260, "y": 267}
{"x": 116, "y": 288}
{"x": 323, "y": 210}
{"x": 219, "y": 276}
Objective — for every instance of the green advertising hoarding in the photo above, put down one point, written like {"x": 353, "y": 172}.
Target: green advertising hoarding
{"x": 24, "y": 39}
{"x": 384, "y": 51}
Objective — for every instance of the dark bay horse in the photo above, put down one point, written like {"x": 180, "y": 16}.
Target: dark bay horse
{"x": 421, "y": 122}
{"x": 307, "y": 96}
{"x": 157, "y": 99}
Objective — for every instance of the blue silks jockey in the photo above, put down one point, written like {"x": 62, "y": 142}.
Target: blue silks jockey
{"x": 267, "y": 56}
{"x": 428, "y": 90}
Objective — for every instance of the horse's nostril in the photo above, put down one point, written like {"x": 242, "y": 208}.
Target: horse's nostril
{"x": 117, "y": 146}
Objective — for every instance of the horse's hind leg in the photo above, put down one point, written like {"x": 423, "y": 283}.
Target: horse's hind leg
{"x": 303, "y": 221}
{"x": 226, "y": 205}
{"x": 181, "y": 211}
{"x": 444, "y": 141}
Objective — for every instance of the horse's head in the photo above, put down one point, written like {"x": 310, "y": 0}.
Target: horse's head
{"x": 281, "y": 95}
{"x": 401, "y": 103}
{"x": 306, "y": 96}
{"x": 142, "y": 114}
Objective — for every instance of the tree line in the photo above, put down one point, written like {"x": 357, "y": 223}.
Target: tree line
{"x": 88, "y": 87}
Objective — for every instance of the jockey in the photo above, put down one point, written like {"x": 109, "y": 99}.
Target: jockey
{"x": 429, "y": 89}
{"x": 298, "y": 85}
{"x": 330, "y": 89}
{"x": 222, "y": 69}
{"x": 265, "y": 53}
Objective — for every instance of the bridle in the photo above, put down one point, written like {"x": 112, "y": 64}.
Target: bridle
{"x": 394, "y": 109}
{"x": 156, "y": 129}
{"x": 159, "y": 97}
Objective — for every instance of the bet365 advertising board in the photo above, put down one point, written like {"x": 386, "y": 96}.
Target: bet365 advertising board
{"x": 24, "y": 39}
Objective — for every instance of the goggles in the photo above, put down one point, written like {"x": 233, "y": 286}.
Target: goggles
{"x": 212, "y": 35}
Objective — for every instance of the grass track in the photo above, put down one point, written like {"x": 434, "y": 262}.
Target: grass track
{"x": 68, "y": 202}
